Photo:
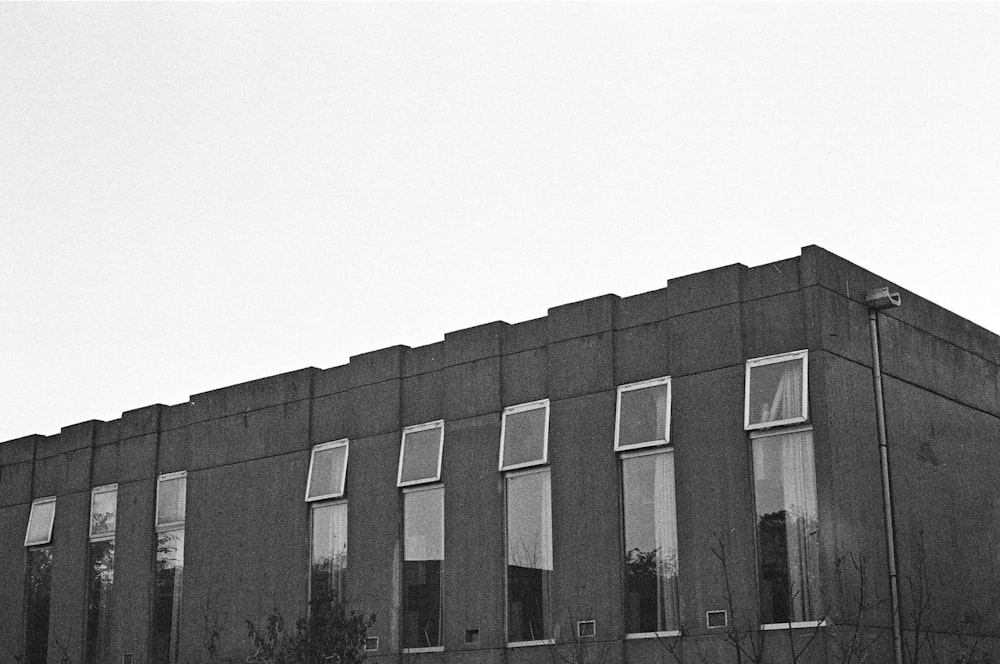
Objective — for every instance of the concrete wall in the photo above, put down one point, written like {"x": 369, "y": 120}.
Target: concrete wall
{"x": 246, "y": 450}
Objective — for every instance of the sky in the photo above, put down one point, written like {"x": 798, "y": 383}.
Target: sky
{"x": 197, "y": 195}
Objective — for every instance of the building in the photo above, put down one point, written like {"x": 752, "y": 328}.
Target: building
{"x": 645, "y": 479}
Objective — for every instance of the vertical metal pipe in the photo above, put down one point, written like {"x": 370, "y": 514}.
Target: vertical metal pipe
{"x": 890, "y": 537}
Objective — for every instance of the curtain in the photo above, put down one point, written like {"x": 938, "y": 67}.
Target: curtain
{"x": 801, "y": 527}
{"x": 787, "y": 401}
{"x": 665, "y": 528}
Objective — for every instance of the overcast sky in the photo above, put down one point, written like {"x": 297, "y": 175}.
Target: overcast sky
{"x": 193, "y": 196}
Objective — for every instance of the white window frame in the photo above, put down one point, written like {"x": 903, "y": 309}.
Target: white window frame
{"x": 48, "y": 535}
{"x": 521, "y": 408}
{"x": 343, "y": 442}
{"x": 107, "y": 488}
{"x": 664, "y": 380}
{"x": 312, "y": 509}
{"x": 170, "y": 525}
{"x": 416, "y": 428}
{"x": 774, "y": 359}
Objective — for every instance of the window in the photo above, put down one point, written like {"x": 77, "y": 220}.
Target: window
{"x": 43, "y": 512}
{"x": 529, "y": 555}
{"x": 776, "y": 390}
{"x": 643, "y": 414}
{"x": 524, "y": 435}
{"x": 38, "y": 594}
{"x": 650, "y": 533}
{"x": 101, "y": 573}
{"x": 171, "y": 492}
{"x": 423, "y": 556}
{"x": 787, "y": 527}
{"x": 420, "y": 454}
{"x": 328, "y": 552}
{"x": 327, "y": 471}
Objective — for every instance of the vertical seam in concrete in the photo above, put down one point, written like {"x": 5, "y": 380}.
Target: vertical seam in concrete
{"x": 151, "y": 558}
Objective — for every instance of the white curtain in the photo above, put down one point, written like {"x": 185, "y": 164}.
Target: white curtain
{"x": 787, "y": 401}
{"x": 801, "y": 527}
{"x": 665, "y": 525}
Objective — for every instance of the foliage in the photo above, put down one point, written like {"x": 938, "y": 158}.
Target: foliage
{"x": 329, "y": 635}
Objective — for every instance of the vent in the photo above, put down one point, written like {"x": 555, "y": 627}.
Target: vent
{"x": 371, "y": 644}
{"x": 586, "y": 628}
{"x": 472, "y": 637}
{"x": 715, "y": 618}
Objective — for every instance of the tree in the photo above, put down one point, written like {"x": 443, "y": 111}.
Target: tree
{"x": 328, "y": 635}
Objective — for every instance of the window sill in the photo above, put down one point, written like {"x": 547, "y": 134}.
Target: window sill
{"x": 653, "y": 635}
{"x": 417, "y": 651}
{"x": 793, "y": 625}
{"x": 526, "y": 644}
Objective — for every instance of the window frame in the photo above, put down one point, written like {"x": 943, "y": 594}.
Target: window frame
{"x": 416, "y": 428}
{"x": 27, "y": 531}
{"x": 522, "y": 408}
{"x": 170, "y": 525}
{"x": 640, "y": 385}
{"x": 106, "y": 488}
{"x": 788, "y": 624}
{"x": 775, "y": 359}
{"x": 633, "y": 454}
{"x": 313, "y": 506}
{"x": 342, "y": 442}
{"x": 416, "y": 489}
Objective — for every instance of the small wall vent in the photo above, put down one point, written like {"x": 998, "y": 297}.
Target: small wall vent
{"x": 371, "y": 644}
{"x": 586, "y": 628}
{"x": 472, "y": 637}
{"x": 715, "y": 618}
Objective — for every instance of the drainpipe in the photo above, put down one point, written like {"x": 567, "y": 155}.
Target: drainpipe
{"x": 881, "y": 299}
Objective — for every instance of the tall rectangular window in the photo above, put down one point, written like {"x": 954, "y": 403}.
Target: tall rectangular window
{"x": 650, "y": 533}
{"x": 328, "y": 522}
{"x": 529, "y": 555}
{"x": 787, "y": 527}
{"x": 784, "y": 473}
{"x": 38, "y": 580}
{"x": 423, "y": 556}
{"x": 101, "y": 573}
{"x": 37, "y": 600}
{"x": 171, "y": 502}
{"x": 328, "y": 553}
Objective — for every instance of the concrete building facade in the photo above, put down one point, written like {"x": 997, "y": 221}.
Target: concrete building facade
{"x": 673, "y": 476}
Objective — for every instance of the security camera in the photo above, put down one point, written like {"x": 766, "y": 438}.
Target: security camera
{"x": 881, "y": 298}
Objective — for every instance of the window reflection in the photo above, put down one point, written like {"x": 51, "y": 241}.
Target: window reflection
{"x": 423, "y": 523}
{"x": 328, "y": 553}
{"x": 167, "y": 595}
{"x": 99, "y": 583}
{"x": 37, "y": 601}
{"x": 651, "y": 597}
{"x": 529, "y": 555}
{"x": 787, "y": 527}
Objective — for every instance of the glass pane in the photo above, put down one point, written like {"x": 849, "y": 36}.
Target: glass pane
{"x": 651, "y": 598}
{"x": 421, "y": 450}
{"x": 423, "y": 551}
{"x": 103, "y": 506}
{"x": 524, "y": 437}
{"x": 170, "y": 502}
{"x": 36, "y": 633}
{"x": 328, "y": 553}
{"x": 167, "y": 596}
{"x": 775, "y": 391}
{"x": 643, "y": 415}
{"x": 529, "y": 555}
{"x": 99, "y": 584}
{"x": 787, "y": 527}
{"x": 40, "y": 523}
{"x": 327, "y": 472}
